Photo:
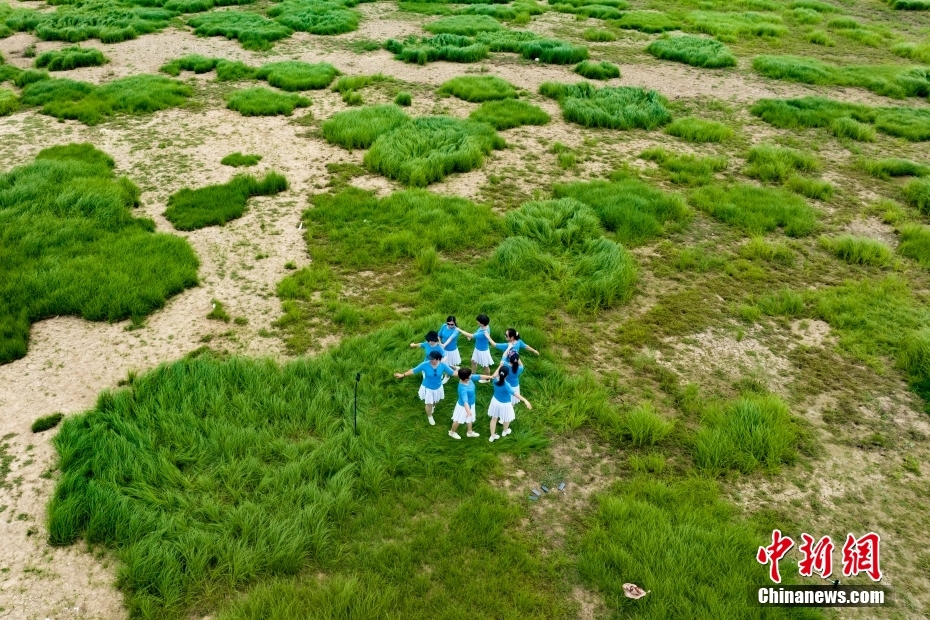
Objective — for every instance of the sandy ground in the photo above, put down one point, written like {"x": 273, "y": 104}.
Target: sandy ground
{"x": 70, "y": 360}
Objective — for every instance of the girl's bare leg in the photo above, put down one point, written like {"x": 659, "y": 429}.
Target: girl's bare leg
{"x": 493, "y": 425}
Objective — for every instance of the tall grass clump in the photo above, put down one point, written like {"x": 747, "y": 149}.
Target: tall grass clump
{"x": 448, "y": 47}
{"x": 845, "y": 127}
{"x": 214, "y": 205}
{"x": 648, "y": 531}
{"x": 40, "y": 425}
{"x": 919, "y": 52}
{"x": 890, "y": 81}
{"x": 509, "y": 113}
{"x": 253, "y": 31}
{"x": 909, "y": 123}
{"x": 191, "y": 62}
{"x": 753, "y": 432}
{"x": 90, "y": 104}
{"x": 403, "y": 99}
{"x": 693, "y": 129}
{"x": 910, "y": 5}
{"x": 775, "y": 164}
{"x": 553, "y": 51}
{"x": 917, "y": 194}
{"x": 643, "y": 426}
{"x": 633, "y": 210}
{"x": 320, "y": 18}
{"x": 731, "y": 26}
{"x": 262, "y": 101}
{"x": 915, "y": 243}
{"x": 9, "y": 103}
{"x": 597, "y": 9}
{"x": 758, "y": 248}
{"x": 648, "y": 21}
{"x": 468, "y": 25}
{"x": 598, "y": 35}
{"x": 358, "y": 129}
{"x": 894, "y": 167}
{"x": 686, "y": 169}
{"x": 70, "y": 58}
{"x": 602, "y": 70}
{"x": 238, "y": 160}
{"x": 93, "y": 259}
{"x": 819, "y": 37}
{"x": 621, "y": 107}
{"x": 858, "y": 250}
{"x": 757, "y": 210}
{"x": 478, "y": 88}
{"x": 293, "y": 75}
{"x": 93, "y": 19}
{"x": 694, "y": 51}
{"x": 428, "y": 149}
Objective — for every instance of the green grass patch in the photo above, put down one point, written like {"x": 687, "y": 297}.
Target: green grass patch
{"x": 192, "y": 62}
{"x": 698, "y": 130}
{"x": 631, "y": 209}
{"x": 9, "y": 102}
{"x": 90, "y": 104}
{"x": 292, "y": 75}
{"x": 756, "y": 210}
{"x": 509, "y": 113}
{"x": 358, "y": 129}
{"x": 403, "y": 99}
{"x": 758, "y": 248}
{"x": 468, "y": 25}
{"x": 909, "y": 123}
{"x": 46, "y": 422}
{"x": 686, "y": 169}
{"x": 602, "y": 70}
{"x": 694, "y": 51}
{"x": 729, "y": 27}
{"x": 814, "y": 5}
{"x": 238, "y": 160}
{"x": 218, "y": 312}
{"x": 893, "y": 167}
{"x": 262, "y": 101}
{"x": 357, "y": 82}
{"x": 915, "y": 243}
{"x": 648, "y": 532}
{"x": 448, "y": 47}
{"x": 917, "y": 194}
{"x": 909, "y": 5}
{"x": 93, "y": 258}
{"x": 320, "y": 18}
{"x": 776, "y": 164}
{"x": 858, "y": 250}
{"x": 919, "y": 52}
{"x": 622, "y": 107}
{"x": 752, "y": 432}
{"x": 553, "y": 51}
{"x": 648, "y": 21}
{"x": 425, "y": 150}
{"x": 93, "y": 19}
{"x": 819, "y": 37}
{"x": 845, "y": 127}
{"x": 478, "y": 88}
{"x": 214, "y": 205}
{"x": 70, "y": 58}
{"x": 253, "y": 31}
{"x": 887, "y": 80}
{"x": 598, "y": 35}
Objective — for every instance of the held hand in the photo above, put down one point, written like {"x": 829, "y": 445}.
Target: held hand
{"x": 528, "y": 405}
{"x": 399, "y": 375}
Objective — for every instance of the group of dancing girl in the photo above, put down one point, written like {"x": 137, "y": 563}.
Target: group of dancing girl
{"x": 443, "y": 361}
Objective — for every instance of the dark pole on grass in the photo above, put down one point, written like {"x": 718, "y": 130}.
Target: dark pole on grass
{"x": 358, "y": 377}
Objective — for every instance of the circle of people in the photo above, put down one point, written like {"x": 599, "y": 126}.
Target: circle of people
{"x": 443, "y": 361}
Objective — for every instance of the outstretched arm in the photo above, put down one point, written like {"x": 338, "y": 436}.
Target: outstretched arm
{"x": 401, "y": 375}
{"x": 465, "y": 333}
{"x": 524, "y": 401}
{"x": 414, "y": 345}
{"x": 529, "y": 348}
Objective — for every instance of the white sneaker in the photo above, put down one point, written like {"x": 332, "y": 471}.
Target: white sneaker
{"x": 493, "y": 437}
{"x": 445, "y": 379}
{"x": 454, "y": 435}
{"x": 506, "y": 432}
{"x": 432, "y": 422}
{"x": 472, "y": 434}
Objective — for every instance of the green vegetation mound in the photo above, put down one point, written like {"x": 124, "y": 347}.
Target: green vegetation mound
{"x": 602, "y": 70}
{"x": 694, "y": 51}
{"x": 887, "y": 80}
{"x": 238, "y": 160}
{"x": 757, "y": 210}
{"x": 686, "y": 169}
{"x": 321, "y": 18}
{"x": 478, "y": 88}
{"x": 9, "y": 103}
{"x": 253, "y": 31}
{"x": 214, "y": 205}
{"x": 621, "y": 107}
{"x": 262, "y": 101}
{"x": 90, "y": 104}
{"x": 92, "y": 19}
{"x": 468, "y": 25}
{"x": 92, "y": 259}
{"x": 428, "y": 149}
{"x": 509, "y": 113}
{"x": 358, "y": 129}
{"x": 648, "y": 21}
{"x": 448, "y": 47}
{"x": 292, "y": 75}
{"x": 70, "y": 58}
{"x": 693, "y": 129}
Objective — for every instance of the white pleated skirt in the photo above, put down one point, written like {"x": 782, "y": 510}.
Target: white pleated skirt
{"x": 431, "y": 397}
{"x": 504, "y": 411}
{"x": 514, "y": 400}
{"x": 453, "y": 358}
{"x": 459, "y": 415}
{"x": 482, "y": 358}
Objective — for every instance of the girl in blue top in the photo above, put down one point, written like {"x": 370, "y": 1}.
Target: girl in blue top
{"x": 431, "y": 344}
{"x": 464, "y": 412}
{"x": 431, "y": 391}
{"x": 502, "y": 403}
{"x": 513, "y": 377}
{"x": 514, "y": 343}
{"x": 482, "y": 354}
{"x": 449, "y": 337}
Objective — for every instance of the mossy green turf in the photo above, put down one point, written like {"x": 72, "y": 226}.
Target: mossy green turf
{"x": 695, "y": 51}
{"x": 427, "y": 149}
{"x": 756, "y": 210}
{"x": 888, "y": 80}
{"x": 238, "y": 160}
{"x": 461, "y": 48}
{"x": 70, "y": 245}
{"x": 94, "y": 19}
{"x": 262, "y": 101}
{"x": 70, "y": 58}
{"x": 292, "y": 75}
{"x": 214, "y": 205}
{"x": 686, "y": 169}
{"x": 253, "y": 31}
{"x": 468, "y": 25}
{"x": 319, "y": 18}
{"x": 509, "y": 113}
{"x": 602, "y": 70}
{"x": 621, "y": 107}
{"x": 90, "y": 104}
{"x": 478, "y": 88}
{"x": 692, "y": 129}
